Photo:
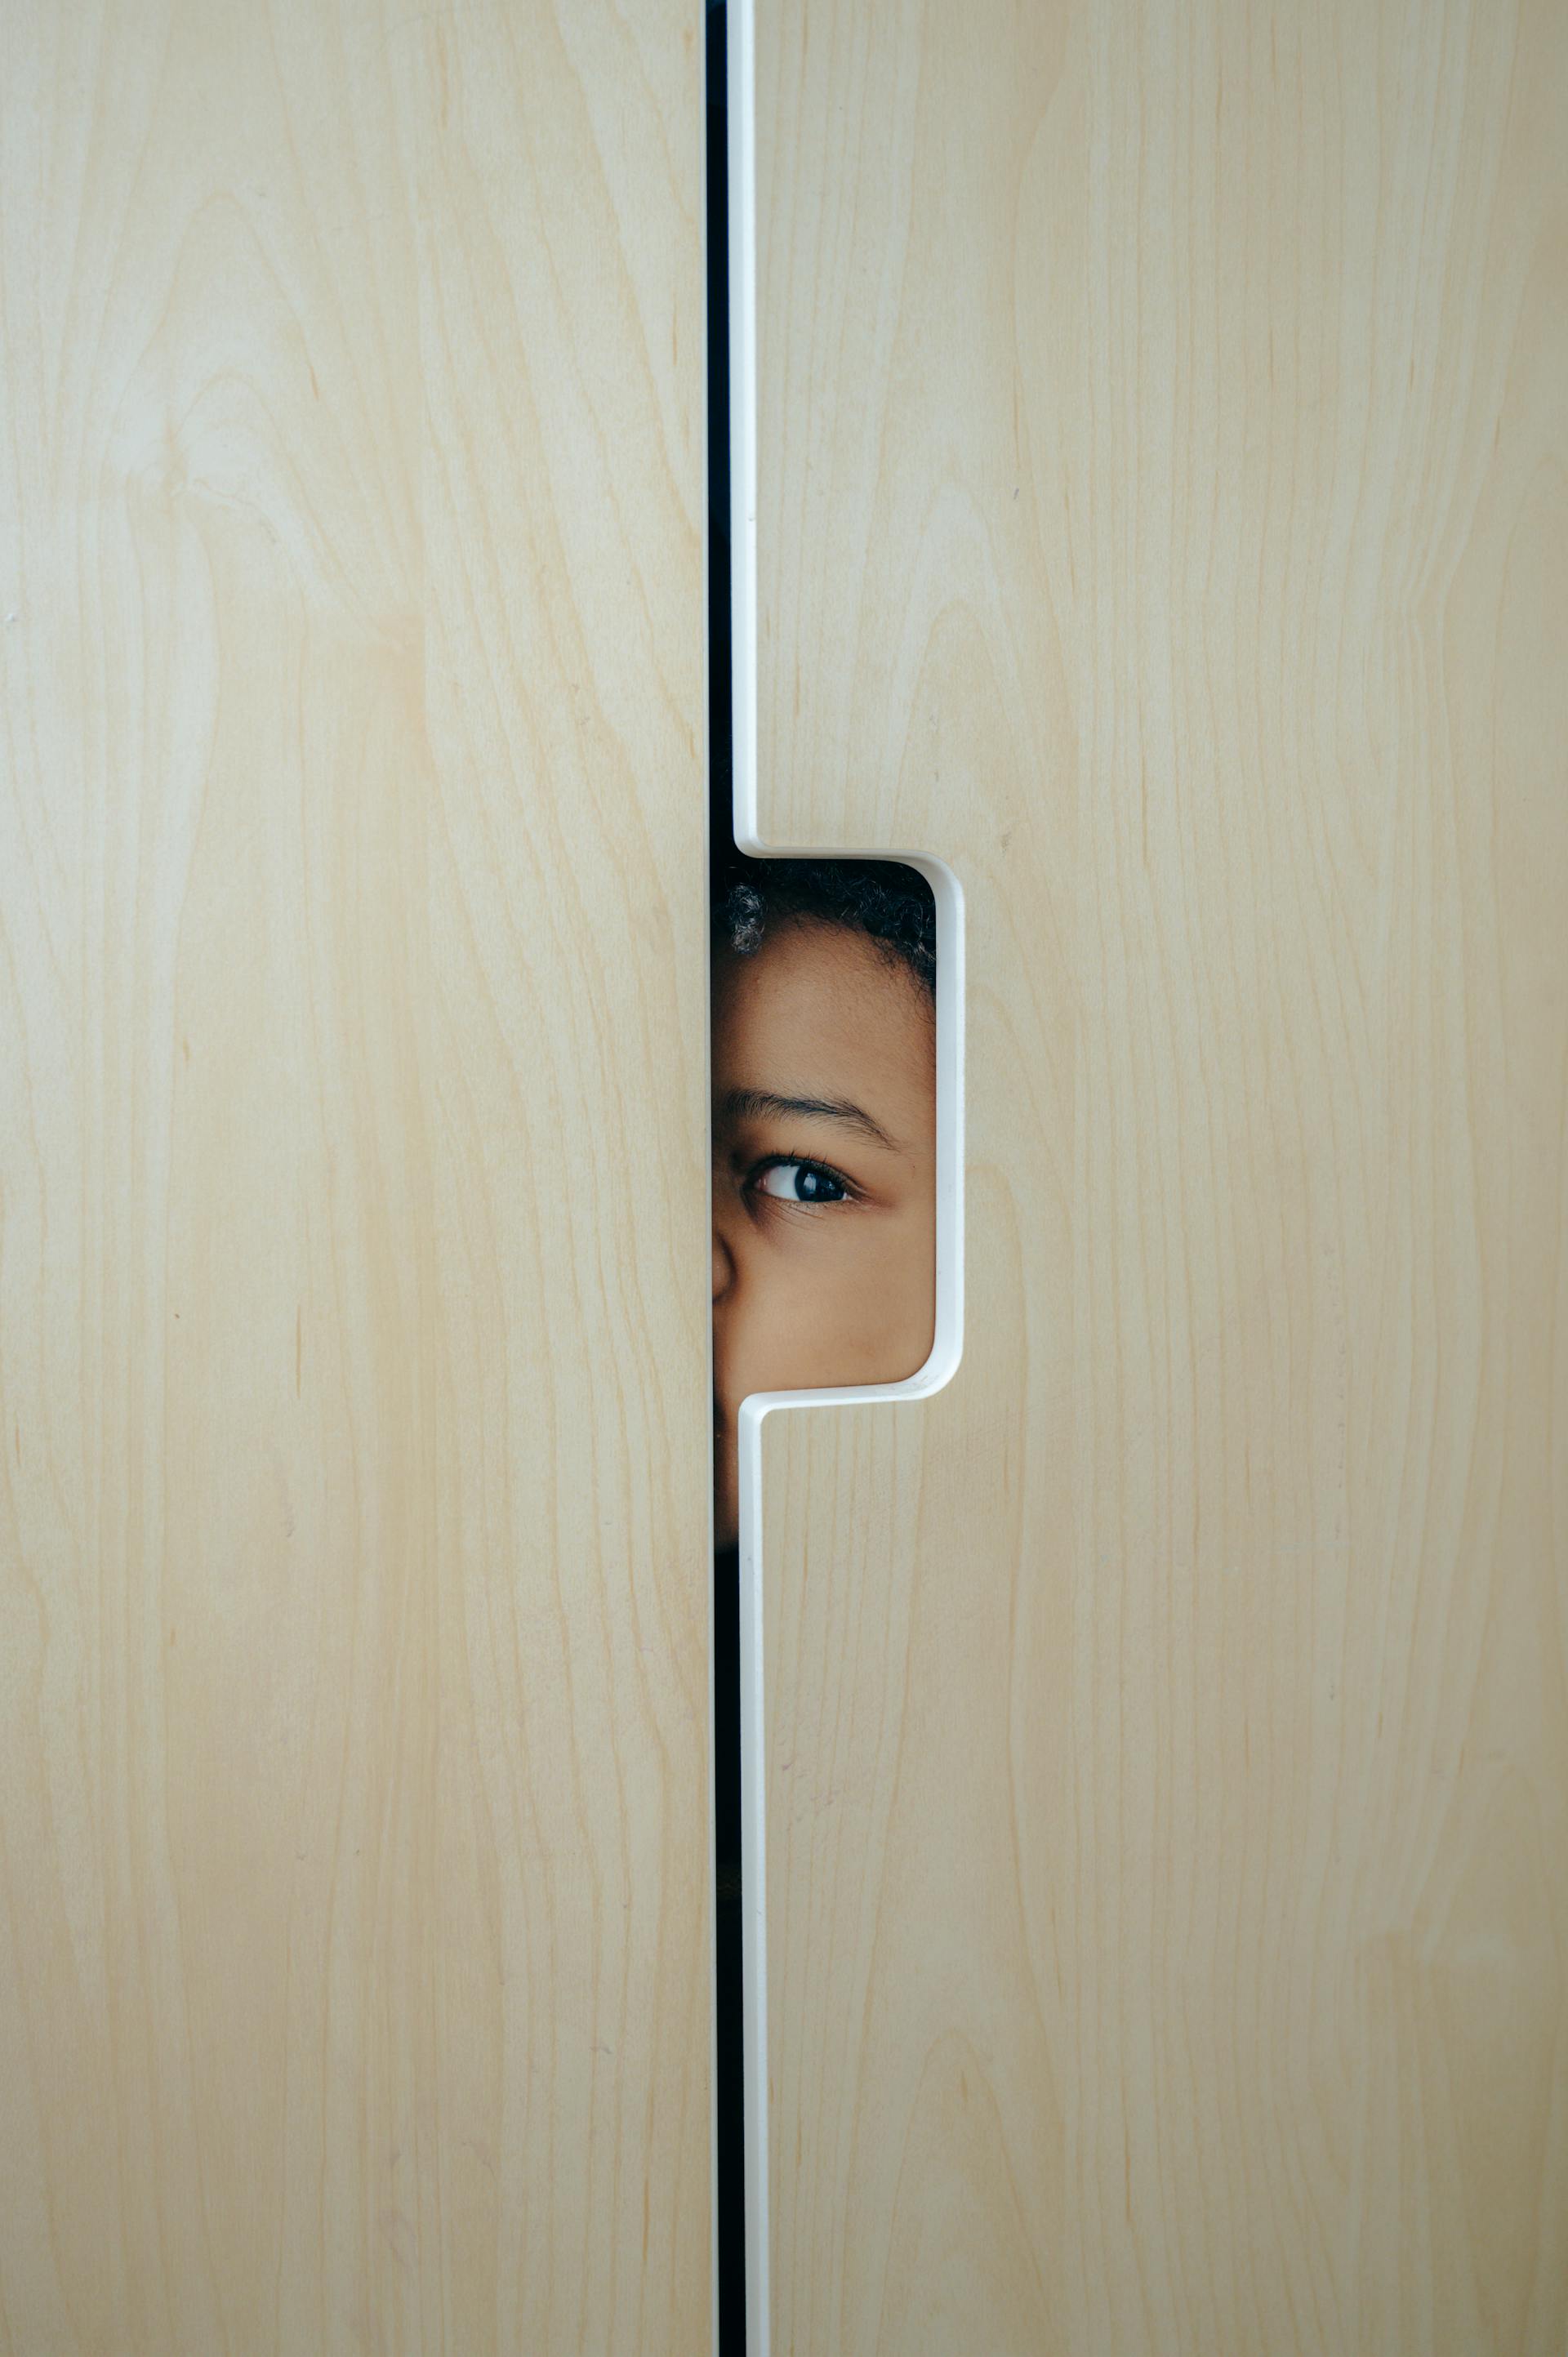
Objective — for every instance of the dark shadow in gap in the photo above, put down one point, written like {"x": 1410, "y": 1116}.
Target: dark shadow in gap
{"x": 729, "y": 2157}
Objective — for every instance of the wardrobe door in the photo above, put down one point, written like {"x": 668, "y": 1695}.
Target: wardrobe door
{"x": 1160, "y": 440}
{"x": 355, "y": 1922}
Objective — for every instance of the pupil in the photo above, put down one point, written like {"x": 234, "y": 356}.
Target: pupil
{"x": 810, "y": 1186}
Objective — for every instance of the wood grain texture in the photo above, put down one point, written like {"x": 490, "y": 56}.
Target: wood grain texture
{"x": 1163, "y": 420}
{"x": 355, "y": 1916}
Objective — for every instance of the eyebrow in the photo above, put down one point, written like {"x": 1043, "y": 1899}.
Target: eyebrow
{"x": 742, "y": 1104}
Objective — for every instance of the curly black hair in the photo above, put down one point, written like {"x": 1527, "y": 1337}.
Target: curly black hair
{"x": 885, "y": 902}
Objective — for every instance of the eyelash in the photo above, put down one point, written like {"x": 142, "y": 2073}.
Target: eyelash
{"x": 805, "y": 1162}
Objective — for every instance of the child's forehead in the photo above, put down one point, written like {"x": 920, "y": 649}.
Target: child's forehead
{"x": 824, "y": 1001}
{"x": 804, "y": 964}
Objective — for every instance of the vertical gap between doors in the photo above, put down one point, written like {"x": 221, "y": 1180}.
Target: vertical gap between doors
{"x": 728, "y": 2052}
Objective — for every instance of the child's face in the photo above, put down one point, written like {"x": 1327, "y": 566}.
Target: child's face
{"x": 824, "y": 1175}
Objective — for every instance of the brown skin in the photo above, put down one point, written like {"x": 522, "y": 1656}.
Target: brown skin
{"x": 839, "y": 1289}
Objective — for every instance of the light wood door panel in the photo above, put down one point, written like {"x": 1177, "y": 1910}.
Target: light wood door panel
{"x": 355, "y": 1989}
{"x": 1161, "y": 419}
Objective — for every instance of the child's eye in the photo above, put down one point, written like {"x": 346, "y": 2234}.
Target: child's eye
{"x": 800, "y": 1182}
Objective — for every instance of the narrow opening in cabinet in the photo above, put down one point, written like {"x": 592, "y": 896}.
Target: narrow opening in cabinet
{"x": 824, "y": 1135}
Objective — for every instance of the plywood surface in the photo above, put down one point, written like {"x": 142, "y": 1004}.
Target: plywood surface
{"x": 354, "y": 1915}
{"x": 1162, "y": 419}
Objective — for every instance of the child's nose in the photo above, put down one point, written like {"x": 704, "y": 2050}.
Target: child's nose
{"x": 724, "y": 1267}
